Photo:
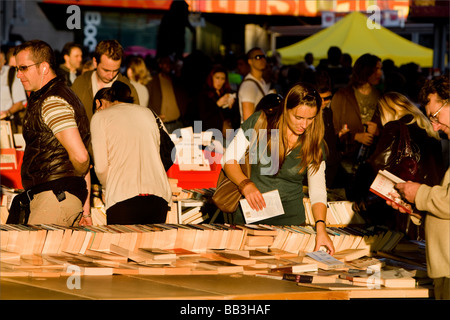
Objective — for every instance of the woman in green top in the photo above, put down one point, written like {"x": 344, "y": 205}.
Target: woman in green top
{"x": 288, "y": 146}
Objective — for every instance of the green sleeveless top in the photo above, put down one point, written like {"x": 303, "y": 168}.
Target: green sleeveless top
{"x": 287, "y": 180}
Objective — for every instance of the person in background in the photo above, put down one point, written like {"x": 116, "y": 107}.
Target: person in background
{"x": 139, "y": 76}
{"x": 215, "y": 101}
{"x": 167, "y": 96}
{"x": 434, "y": 199}
{"x": 56, "y": 132}
{"x": 253, "y": 88}
{"x": 71, "y": 68}
{"x": 334, "y": 68}
{"x": 355, "y": 107}
{"x": 295, "y": 148}
{"x": 107, "y": 60}
{"x": 336, "y": 177}
{"x": 13, "y": 97}
{"x": 125, "y": 141}
{"x": 88, "y": 65}
{"x": 398, "y": 113}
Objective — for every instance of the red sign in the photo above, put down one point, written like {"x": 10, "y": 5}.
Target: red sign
{"x": 306, "y": 8}
{"x": 141, "y": 4}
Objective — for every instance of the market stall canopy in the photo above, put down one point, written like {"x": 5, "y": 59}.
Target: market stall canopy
{"x": 353, "y": 36}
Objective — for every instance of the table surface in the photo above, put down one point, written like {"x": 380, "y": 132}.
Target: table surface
{"x": 191, "y": 287}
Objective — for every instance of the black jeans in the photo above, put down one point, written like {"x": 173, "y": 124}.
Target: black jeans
{"x": 146, "y": 209}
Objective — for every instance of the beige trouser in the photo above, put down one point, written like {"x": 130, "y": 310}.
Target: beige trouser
{"x": 442, "y": 288}
{"x": 45, "y": 208}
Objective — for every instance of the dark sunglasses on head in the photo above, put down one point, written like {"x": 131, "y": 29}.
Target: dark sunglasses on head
{"x": 309, "y": 97}
{"x": 313, "y": 96}
{"x": 259, "y": 57}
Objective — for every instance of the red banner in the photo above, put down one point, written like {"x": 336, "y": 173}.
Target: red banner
{"x": 141, "y": 4}
{"x": 308, "y": 8}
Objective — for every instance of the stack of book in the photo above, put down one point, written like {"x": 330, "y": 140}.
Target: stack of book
{"x": 193, "y": 215}
{"x": 339, "y": 213}
{"x": 332, "y": 274}
{"x": 248, "y": 248}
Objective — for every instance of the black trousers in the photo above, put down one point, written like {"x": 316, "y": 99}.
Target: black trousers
{"x": 146, "y": 209}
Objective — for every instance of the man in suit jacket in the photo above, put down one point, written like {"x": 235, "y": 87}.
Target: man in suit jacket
{"x": 107, "y": 60}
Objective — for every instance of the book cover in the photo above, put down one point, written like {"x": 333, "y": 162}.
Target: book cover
{"x": 325, "y": 260}
{"x": 313, "y": 277}
{"x": 273, "y": 208}
{"x": 384, "y": 187}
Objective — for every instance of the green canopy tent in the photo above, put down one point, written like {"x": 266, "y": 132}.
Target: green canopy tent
{"x": 353, "y": 36}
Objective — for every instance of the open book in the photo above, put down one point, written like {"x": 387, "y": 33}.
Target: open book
{"x": 383, "y": 186}
{"x": 273, "y": 208}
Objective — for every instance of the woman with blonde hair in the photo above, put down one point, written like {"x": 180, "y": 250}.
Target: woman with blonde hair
{"x": 398, "y": 113}
{"x": 139, "y": 76}
{"x": 284, "y": 147}
{"x": 394, "y": 106}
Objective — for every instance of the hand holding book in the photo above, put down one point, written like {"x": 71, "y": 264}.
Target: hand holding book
{"x": 408, "y": 190}
{"x": 398, "y": 194}
{"x": 253, "y": 196}
{"x": 384, "y": 186}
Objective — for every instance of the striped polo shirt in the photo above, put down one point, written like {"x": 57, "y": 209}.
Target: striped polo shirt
{"x": 58, "y": 114}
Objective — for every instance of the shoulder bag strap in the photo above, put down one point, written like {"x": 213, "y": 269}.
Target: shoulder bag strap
{"x": 257, "y": 84}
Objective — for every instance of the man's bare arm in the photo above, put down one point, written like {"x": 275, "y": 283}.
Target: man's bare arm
{"x": 78, "y": 154}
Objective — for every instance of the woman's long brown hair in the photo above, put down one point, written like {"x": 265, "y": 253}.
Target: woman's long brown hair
{"x": 312, "y": 140}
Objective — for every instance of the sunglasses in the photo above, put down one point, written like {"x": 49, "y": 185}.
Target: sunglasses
{"x": 25, "y": 68}
{"x": 259, "y": 57}
{"x": 327, "y": 98}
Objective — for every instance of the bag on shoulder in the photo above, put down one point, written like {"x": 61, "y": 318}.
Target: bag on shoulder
{"x": 166, "y": 145}
{"x": 227, "y": 195}
{"x": 406, "y": 164}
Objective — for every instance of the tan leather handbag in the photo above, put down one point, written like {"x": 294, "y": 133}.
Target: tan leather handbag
{"x": 227, "y": 195}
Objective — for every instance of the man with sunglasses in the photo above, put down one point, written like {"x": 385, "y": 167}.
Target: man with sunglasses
{"x": 56, "y": 132}
{"x": 434, "y": 200}
{"x": 253, "y": 88}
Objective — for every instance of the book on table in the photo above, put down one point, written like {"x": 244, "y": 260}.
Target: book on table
{"x": 324, "y": 260}
{"x": 384, "y": 186}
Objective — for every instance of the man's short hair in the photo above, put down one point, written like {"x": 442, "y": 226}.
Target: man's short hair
{"x": 250, "y": 52}
{"x": 68, "y": 48}
{"x": 110, "y": 48}
{"x": 439, "y": 85}
{"x": 40, "y": 51}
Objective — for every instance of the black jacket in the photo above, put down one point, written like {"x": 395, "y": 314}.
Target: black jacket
{"x": 45, "y": 158}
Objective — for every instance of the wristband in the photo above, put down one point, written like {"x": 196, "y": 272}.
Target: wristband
{"x": 243, "y": 184}
{"x": 87, "y": 215}
{"x": 315, "y": 225}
